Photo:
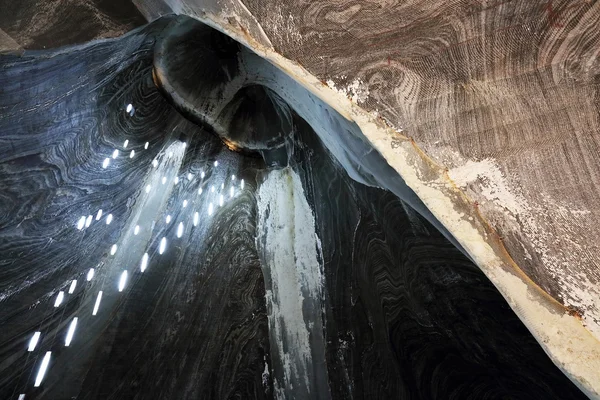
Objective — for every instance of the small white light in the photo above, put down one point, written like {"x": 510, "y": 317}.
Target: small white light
{"x": 21, "y": 396}
{"x": 199, "y": 190}
{"x": 233, "y": 177}
{"x": 220, "y": 200}
{"x": 109, "y": 219}
{"x": 42, "y": 371}
{"x": 212, "y": 189}
{"x": 90, "y": 274}
{"x": 176, "y": 180}
{"x": 242, "y": 184}
{"x": 73, "y": 286}
{"x": 115, "y": 153}
{"x": 81, "y": 223}
{"x": 231, "y": 191}
{"x": 184, "y": 144}
{"x": 146, "y": 146}
{"x": 113, "y": 249}
{"x": 105, "y": 163}
{"x": 170, "y": 154}
{"x": 59, "y": 298}
{"x": 144, "y": 262}
{"x": 155, "y": 163}
{"x": 125, "y": 143}
{"x": 222, "y": 186}
{"x": 168, "y": 219}
{"x": 196, "y": 218}
{"x": 71, "y": 332}
{"x": 99, "y": 215}
{"x": 164, "y": 180}
{"x": 190, "y": 176}
{"x": 132, "y": 154}
{"x": 129, "y": 107}
{"x": 185, "y": 203}
{"x": 163, "y": 245}
{"x": 202, "y": 175}
{"x": 148, "y": 187}
{"x": 216, "y": 164}
{"x": 210, "y": 209}
{"x": 88, "y": 221}
{"x": 34, "y": 341}
{"x": 122, "y": 281}
{"x": 97, "y": 303}
{"x": 136, "y": 230}
{"x": 180, "y": 230}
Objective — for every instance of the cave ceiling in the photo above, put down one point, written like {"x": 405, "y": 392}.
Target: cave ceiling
{"x": 483, "y": 117}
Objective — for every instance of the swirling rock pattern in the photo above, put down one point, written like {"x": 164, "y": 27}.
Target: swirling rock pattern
{"x": 39, "y": 24}
{"x": 193, "y": 325}
{"x": 405, "y": 314}
{"x": 403, "y": 304}
{"x": 504, "y": 93}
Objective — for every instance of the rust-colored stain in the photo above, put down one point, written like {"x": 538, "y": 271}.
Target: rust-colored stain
{"x": 492, "y": 236}
{"x": 574, "y": 312}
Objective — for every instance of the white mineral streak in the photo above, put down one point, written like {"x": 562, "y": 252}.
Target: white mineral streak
{"x": 357, "y": 91}
{"x": 569, "y": 344}
{"x": 287, "y": 242}
{"x": 284, "y": 26}
{"x": 266, "y": 374}
{"x": 563, "y": 337}
{"x": 493, "y": 186}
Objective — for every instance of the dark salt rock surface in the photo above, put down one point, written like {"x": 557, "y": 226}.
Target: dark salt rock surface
{"x": 284, "y": 271}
